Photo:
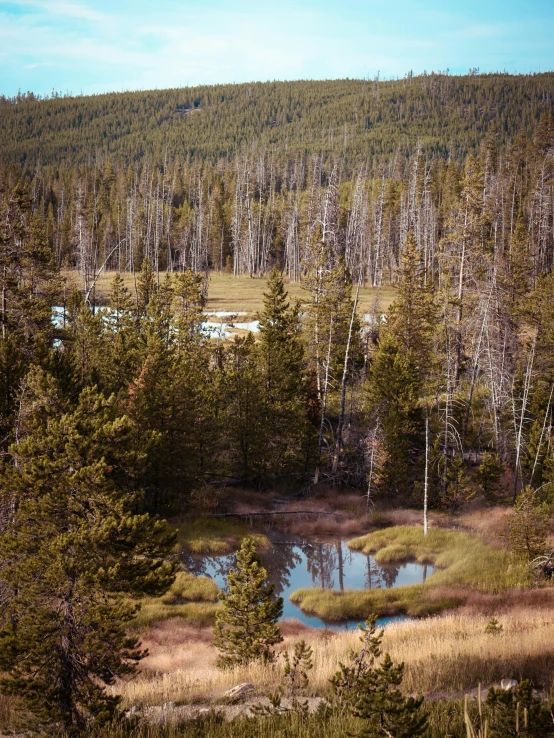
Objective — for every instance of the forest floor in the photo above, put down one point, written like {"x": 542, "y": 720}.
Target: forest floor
{"x": 237, "y": 294}
{"x": 445, "y": 655}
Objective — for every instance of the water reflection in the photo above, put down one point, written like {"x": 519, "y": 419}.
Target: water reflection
{"x": 302, "y": 563}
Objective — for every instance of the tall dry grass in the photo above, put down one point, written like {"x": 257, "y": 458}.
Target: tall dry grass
{"x": 443, "y": 656}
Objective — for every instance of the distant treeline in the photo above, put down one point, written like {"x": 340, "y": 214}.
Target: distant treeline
{"x": 358, "y": 121}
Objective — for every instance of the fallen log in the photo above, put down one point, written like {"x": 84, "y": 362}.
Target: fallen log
{"x": 272, "y": 512}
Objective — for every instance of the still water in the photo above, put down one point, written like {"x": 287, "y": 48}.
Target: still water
{"x": 292, "y": 564}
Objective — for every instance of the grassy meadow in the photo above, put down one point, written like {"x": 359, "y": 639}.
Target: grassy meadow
{"x": 240, "y": 294}
{"x": 443, "y": 655}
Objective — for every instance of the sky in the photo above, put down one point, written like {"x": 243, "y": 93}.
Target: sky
{"x": 93, "y": 46}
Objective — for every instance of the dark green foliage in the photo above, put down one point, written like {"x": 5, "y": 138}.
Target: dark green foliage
{"x": 246, "y": 626}
{"x": 517, "y": 713}
{"x": 287, "y": 431}
{"x": 243, "y": 407}
{"x": 74, "y": 550}
{"x": 28, "y": 289}
{"x": 369, "y": 688}
{"x": 529, "y": 526}
{"x": 393, "y": 391}
{"x": 488, "y": 474}
{"x": 458, "y": 488}
{"x": 438, "y": 111}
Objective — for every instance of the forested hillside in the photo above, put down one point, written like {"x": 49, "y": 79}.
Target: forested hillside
{"x": 355, "y": 120}
{"x": 441, "y": 187}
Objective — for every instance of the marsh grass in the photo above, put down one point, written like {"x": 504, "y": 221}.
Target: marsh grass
{"x": 460, "y": 558}
{"x": 190, "y": 598}
{"x": 356, "y": 604}
{"x": 216, "y": 536}
{"x": 462, "y": 561}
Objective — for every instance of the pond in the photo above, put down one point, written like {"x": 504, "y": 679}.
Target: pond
{"x": 292, "y": 564}
{"x": 212, "y": 328}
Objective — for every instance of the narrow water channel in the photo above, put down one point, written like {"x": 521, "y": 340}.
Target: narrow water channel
{"x": 293, "y": 563}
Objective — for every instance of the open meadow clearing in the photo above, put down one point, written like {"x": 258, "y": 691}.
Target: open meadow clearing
{"x": 237, "y": 294}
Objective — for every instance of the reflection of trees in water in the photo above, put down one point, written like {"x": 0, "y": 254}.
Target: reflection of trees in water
{"x": 389, "y": 574}
{"x": 373, "y": 574}
{"x": 329, "y": 564}
{"x": 279, "y": 561}
{"x": 321, "y": 563}
{"x": 208, "y": 566}
{"x": 380, "y": 576}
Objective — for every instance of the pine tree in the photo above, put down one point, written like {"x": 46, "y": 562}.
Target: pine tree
{"x": 393, "y": 393}
{"x": 488, "y": 474}
{"x": 29, "y": 288}
{"x": 246, "y": 626}
{"x": 516, "y": 712}
{"x": 243, "y": 407}
{"x": 369, "y": 688}
{"x": 288, "y": 435}
{"x": 412, "y": 317}
{"x": 529, "y": 526}
{"x": 399, "y": 370}
{"x": 189, "y": 302}
{"x": 75, "y": 553}
{"x": 120, "y": 341}
{"x": 146, "y": 286}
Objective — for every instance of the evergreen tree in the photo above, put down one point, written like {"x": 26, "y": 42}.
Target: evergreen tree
{"x": 393, "y": 392}
{"x": 529, "y": 526}
{"x": 488, "y": 474}
{"x": 516, "y": 712}
{"x": 399, "y": 370}
{"x": 121, "y": 347}
{"x": 189, "y": 302}
{"x": 246, "y": 626}
{"x": 75, "y": 552}
{"x": 146, "y": 286}
{"x": 369, "y": 688}
{"x": 412, "y": 318}
{"x": 243, "y": 407}
{"x": 29, "y": 288}
{"x": 288, "y": 435}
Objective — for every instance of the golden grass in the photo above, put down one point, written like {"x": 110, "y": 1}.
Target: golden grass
{"x": 442, "y": 655}
{"x": 215, "y": 535}
{"x": 229, "y": 293}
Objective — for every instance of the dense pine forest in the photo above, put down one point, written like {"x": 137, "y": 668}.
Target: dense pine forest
{"x": 114, "y": 412}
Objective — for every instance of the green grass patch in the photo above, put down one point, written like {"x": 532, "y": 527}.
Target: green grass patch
{"x": 189, "y": 588}
{"x": 190, "y": 598}
{"x": 216, "y": 536}
{"x": 333, "y": 605}
{"x": 153, "y": 611}
{"x": 461, "y": 560}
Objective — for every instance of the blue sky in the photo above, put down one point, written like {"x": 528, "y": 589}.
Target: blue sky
{"x": 96, "y": 45}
